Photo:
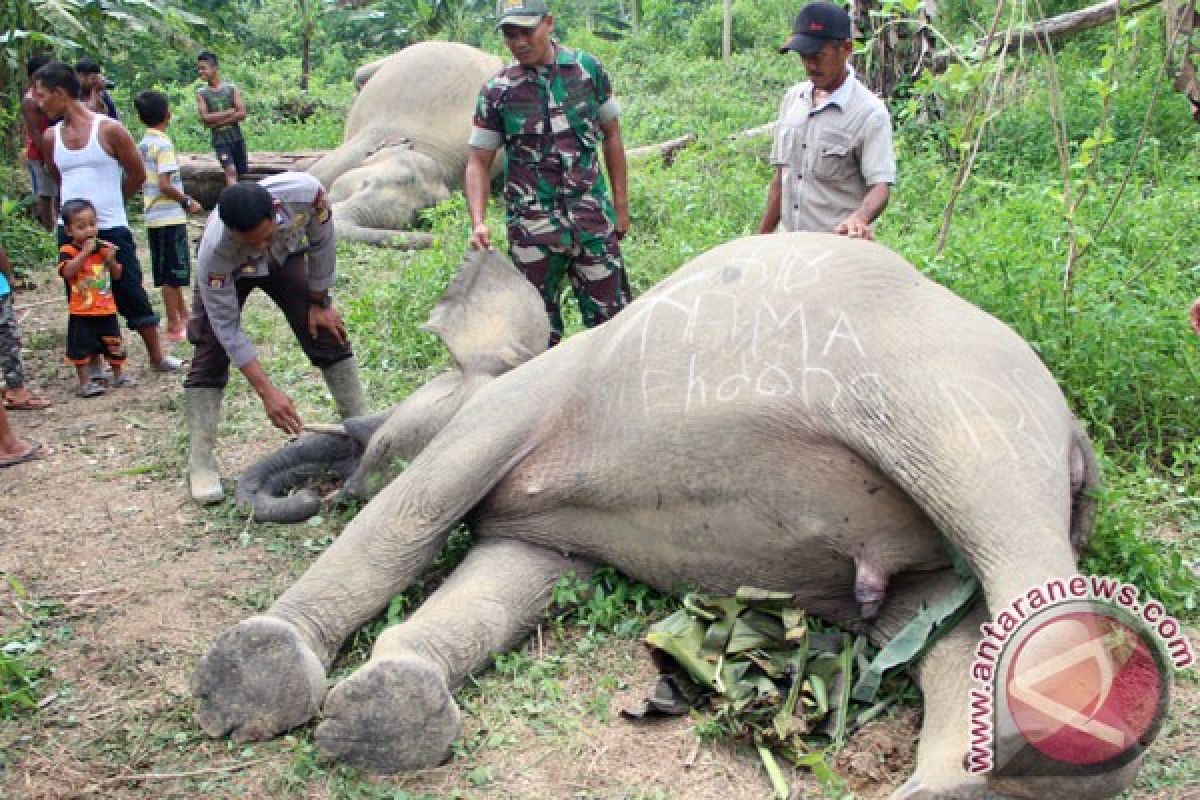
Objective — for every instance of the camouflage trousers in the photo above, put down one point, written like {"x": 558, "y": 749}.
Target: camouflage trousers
{"x": 591, "y": 262}
{"x": 10, "y": 345}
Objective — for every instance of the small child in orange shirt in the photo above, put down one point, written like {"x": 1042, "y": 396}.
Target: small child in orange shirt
{"x": 89, "y": 266}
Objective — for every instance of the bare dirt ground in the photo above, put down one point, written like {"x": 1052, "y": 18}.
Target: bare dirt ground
{"x": 126, "y": 583}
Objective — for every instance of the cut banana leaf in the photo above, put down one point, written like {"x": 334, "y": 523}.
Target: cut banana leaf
{"x": 916, "y": 637}
{"x": 681, "y": 636}
{"x": 764, "y": 598}
{"x": 769, "y": 672}
{"x": 746, "y": 637}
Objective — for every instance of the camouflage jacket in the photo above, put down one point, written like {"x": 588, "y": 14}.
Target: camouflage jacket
{"x": 548, "y": 120}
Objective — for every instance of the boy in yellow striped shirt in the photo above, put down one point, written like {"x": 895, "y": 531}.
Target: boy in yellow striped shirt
{"x": 167, "y": 207}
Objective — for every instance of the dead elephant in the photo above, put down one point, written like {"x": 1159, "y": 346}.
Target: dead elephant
{"x": 405, "y": 144}
{"x": 798, "y": 412}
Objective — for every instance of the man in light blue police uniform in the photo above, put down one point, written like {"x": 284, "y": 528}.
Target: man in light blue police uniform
{"x": 277, "y": 236}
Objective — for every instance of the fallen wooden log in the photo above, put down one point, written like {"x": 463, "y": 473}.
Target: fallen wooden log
{"x": 667, "y": 149}
{"x": 204, "y": 179}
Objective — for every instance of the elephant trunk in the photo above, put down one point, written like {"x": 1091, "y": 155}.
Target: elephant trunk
{"x": 361, "y": 429}
{"x": 269, "y": 487}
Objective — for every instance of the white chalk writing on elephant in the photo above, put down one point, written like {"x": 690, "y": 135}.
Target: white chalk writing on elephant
{"x": 989, "y": 411}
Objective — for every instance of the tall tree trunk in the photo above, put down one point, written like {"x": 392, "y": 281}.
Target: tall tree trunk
{"x": 306, "y": 55}
{"x": 1180, "y": 62}
{"x": 727, "y": 31}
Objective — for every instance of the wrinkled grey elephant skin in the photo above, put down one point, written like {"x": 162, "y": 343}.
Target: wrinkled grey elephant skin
{"x": 798, "y": 412}
{"x": 405, "y": 144}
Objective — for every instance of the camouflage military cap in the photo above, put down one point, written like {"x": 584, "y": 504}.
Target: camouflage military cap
{"x": 522, "y": 13}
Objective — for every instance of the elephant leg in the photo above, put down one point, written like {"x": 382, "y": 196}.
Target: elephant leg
{"x": 396, "y": 712}
{"x": 944, "y": 676}
{"x": 408, "y": 428}
{"x": 383, "y": 237}
{"x": 1006, "y": 495}
{"x": 239, "y": 684}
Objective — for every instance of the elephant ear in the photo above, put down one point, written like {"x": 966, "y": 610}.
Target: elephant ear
{"x": 490, "y": 317}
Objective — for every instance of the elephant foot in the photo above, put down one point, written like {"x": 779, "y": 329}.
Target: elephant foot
{"x": 392, "y": 715}
{"x": 259, "y": 679}
{"x": 967, "y": 788}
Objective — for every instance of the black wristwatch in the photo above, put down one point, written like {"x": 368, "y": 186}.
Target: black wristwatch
{"x": 324, "y": 301}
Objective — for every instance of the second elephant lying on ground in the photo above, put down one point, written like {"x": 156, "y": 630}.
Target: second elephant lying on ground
{"x": 798, "y": 412}
{"x": 405, "y": 145}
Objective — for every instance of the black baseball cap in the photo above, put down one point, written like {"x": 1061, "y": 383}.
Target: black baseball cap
{"x": 522, "y": 13}
{"x": 817, "y": 24}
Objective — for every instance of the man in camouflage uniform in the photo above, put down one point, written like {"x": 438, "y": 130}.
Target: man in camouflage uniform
{"x": 277, "y": 236}
{"x": 551, "y": 110}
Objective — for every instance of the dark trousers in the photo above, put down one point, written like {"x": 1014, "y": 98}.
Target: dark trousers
{"x": 287, "y": 286}
{"x": 132, "y": 301}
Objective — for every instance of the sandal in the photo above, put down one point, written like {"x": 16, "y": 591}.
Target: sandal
{"x": 89, "y": 389}
{"x": 169, "y": 364}
{"x": 34, "y": 403}
{"x": 125, "y": 382}
{"x": 99, "y": 374}
{"x": 36, "y": 450}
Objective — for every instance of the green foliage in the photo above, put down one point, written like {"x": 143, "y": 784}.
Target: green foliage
{"x": 120, "y": 34}
{"x": 392, "y": 24}
{"x": 22, "y": 670}
{"x": 26, "y": 243}
{"x": 755, "y": 24}
{"x": 308, "y": 768}
{"x": 607, "y": 602}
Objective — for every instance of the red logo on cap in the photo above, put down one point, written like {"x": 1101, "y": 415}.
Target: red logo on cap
{"x": 816, "y": 26}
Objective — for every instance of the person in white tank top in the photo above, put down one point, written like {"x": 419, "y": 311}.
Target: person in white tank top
{"x": 94, "y": 158}
{"x": 91, "y": 173}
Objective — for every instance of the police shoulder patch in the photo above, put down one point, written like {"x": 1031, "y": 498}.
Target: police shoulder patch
{"x": 321, "y": 206}
{"x": 217, "y": 281}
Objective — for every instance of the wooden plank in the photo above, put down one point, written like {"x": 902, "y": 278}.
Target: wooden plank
{"x": 204, "y": 179}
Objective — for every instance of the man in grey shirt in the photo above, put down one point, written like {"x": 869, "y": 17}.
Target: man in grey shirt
{"x": 833, "y": 157}
{"x": 277, "y": 236}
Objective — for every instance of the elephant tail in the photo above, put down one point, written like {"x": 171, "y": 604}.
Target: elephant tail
{"x": 1085, "y": 481}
